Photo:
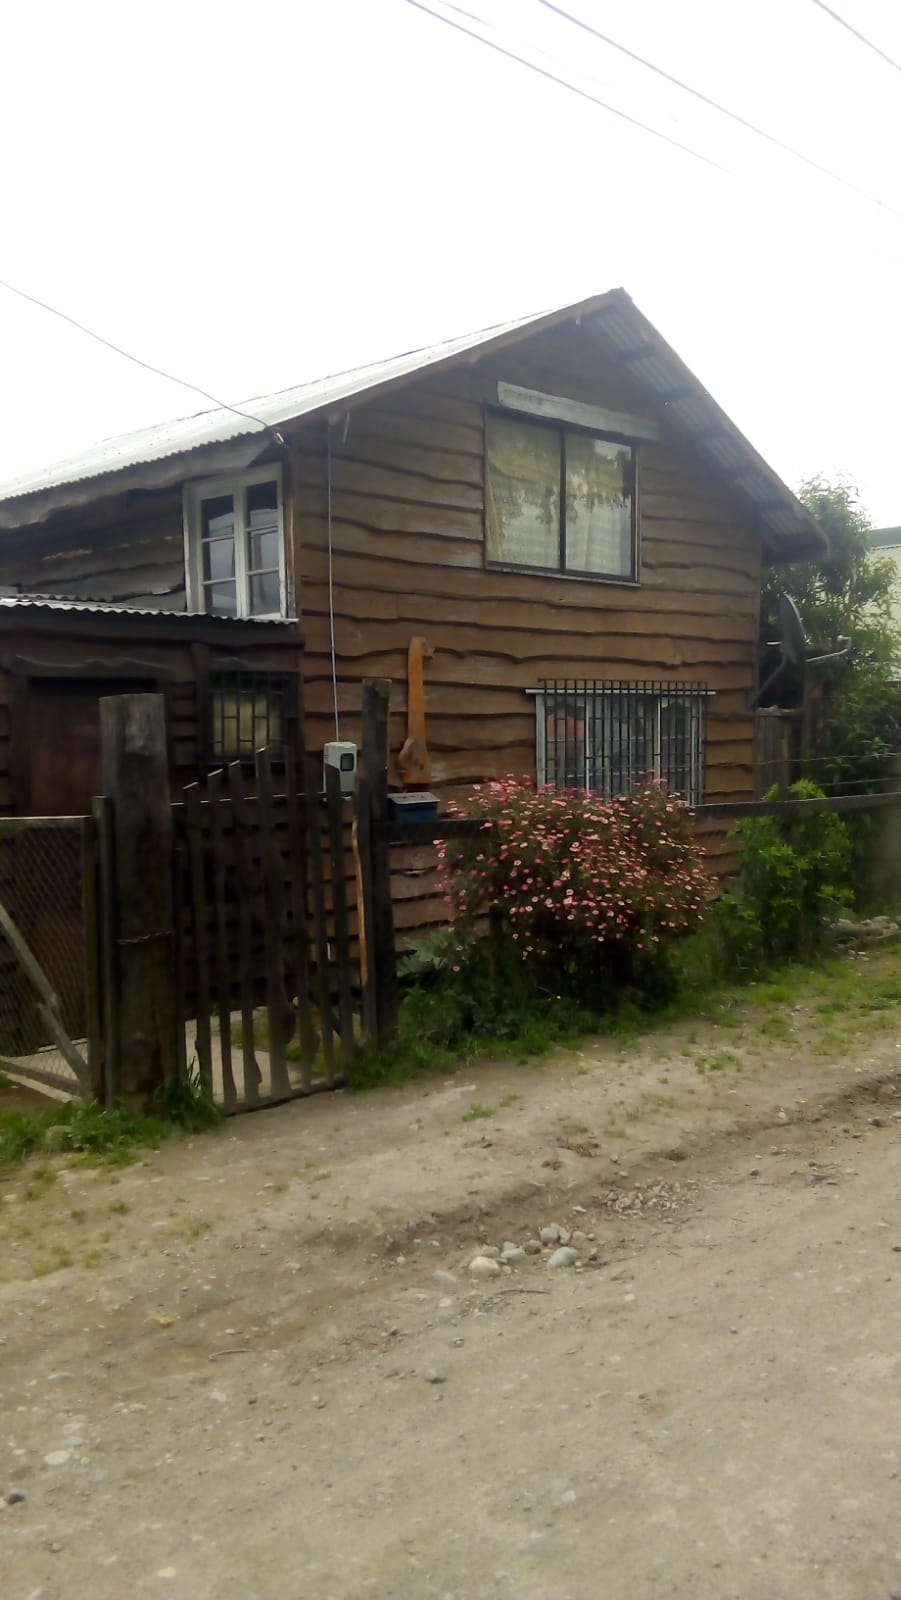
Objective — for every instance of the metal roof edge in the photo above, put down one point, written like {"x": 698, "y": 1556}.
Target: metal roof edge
{"x": 790, "y": 526}
{"x": 61, "y": 604}
{"x": 335, "y": 393}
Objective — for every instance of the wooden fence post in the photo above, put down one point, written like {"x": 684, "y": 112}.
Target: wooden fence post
{"x": 136, "y": 782}
{"x": 381, "y": 959}
{"x": 772, "y": 753}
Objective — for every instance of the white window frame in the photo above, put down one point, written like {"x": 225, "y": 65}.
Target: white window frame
{"x": 235, "y": 484}
{"x": 696, "y": 753}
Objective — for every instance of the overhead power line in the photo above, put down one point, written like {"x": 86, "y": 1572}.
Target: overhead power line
{"x": 724, "y": 111}
{"x": 857, "y": 34}
{"x": 147, "y": 365}
{"x": 565, "y": 83}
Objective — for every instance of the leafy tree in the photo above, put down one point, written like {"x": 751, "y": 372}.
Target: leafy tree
{"x": 847, "y": 595}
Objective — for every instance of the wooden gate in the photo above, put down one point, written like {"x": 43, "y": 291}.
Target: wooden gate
{"x": 265, "y": 976}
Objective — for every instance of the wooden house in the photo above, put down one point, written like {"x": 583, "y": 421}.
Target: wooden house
{"x": 554, "y": 514}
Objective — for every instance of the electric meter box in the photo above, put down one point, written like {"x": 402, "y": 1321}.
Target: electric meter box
{"x": 342, "y": 754}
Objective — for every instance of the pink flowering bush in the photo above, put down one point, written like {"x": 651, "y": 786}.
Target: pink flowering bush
{"x": 577, "y": 885}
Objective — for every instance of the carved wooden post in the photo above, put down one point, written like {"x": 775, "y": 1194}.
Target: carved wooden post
{"x": 136, "y": 782}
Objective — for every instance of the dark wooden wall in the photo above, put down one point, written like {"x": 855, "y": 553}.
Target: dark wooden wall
{"x": 68, "y": 645}
{"x": 128, "y": 549}
{"x": 408, "y": 558}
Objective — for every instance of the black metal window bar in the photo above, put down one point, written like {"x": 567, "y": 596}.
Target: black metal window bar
{"x": 607, "y": 734}
{"x": 248, "y": 710}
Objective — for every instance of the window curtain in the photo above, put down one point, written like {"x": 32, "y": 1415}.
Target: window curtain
{"x": 598, "y": 505}
{"x": 523, "y": 493}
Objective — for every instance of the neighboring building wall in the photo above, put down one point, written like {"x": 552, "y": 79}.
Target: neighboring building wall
{"x": 128, "y": 550}
{"x": 887, "y": 543}
{"x": 109, "y": 655}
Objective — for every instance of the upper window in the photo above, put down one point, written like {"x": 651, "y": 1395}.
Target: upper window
{"x": 559, "y": 499}
{"x": 234, "y": 545}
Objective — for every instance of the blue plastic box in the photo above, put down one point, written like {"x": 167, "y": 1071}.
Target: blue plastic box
{"x": 415, "y": 806}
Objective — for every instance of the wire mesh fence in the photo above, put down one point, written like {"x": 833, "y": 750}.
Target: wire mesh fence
{"x": 43, "y": 947}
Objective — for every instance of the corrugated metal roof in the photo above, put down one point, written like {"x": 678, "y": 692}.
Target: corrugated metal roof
{"x": 49, "y": 602}
{"x": 611, "y": 319}
{"x": 184, "y": 434}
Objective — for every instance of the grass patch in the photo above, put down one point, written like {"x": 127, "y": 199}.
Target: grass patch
{"x": 55, "y": 1263}
{"x": 775, "y": 1027}
{"x": 84, "y": 1128}
{"x": 43, "y": 1177}
{"x": 657, "y": 1102}
{"x": 777, "y": 993}
{"x": 476, "y": 1112}
{"x": 721, "y": 1060}
{"x": 75, "y": 1127}
{"x": 453, "y": 1018}
{"x": 449, "y": 1018}
{"x": 186, "y": 1104}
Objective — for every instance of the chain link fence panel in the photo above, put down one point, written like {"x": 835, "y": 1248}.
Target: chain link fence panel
{"x": 42, "y": 892}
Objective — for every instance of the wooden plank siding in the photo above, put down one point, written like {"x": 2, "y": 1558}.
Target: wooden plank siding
{"x": 109, "y": 651}
{"x": 126, "y": 550}
{"x": 407, "y": 500}
{"x": 407, "y": 527}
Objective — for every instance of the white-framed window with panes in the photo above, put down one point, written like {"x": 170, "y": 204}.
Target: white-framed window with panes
{"x": 235, "y": 545}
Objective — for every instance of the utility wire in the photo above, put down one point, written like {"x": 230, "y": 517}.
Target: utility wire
{"x": 857, "y": 34}
{"x": 147, "y": 365}
{"x": 565, "y": 83}
{"x": 734, "y": 116}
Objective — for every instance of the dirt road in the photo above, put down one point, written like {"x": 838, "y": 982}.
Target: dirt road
{"x": 219, "y": 1367}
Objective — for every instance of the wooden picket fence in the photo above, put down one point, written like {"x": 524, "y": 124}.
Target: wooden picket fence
{"x": 264, "y": 959}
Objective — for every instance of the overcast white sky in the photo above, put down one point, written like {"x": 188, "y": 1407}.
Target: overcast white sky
{"x": 251, "y": 195}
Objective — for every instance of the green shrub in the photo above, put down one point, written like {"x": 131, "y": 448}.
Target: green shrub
{"x": 794, "y": 879}
{"x": 463, "y": 999}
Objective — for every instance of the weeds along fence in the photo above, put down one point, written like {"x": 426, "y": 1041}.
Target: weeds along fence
{"x": 247, "y": 929}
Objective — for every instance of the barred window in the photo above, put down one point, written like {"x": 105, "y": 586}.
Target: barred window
{"x": 604, "y": 735}
{"x": 247, "y": 712}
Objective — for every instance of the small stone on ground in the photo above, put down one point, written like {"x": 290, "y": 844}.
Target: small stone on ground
{"x": 484, "y": 1267}
{"x": 564, "y": 1257}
